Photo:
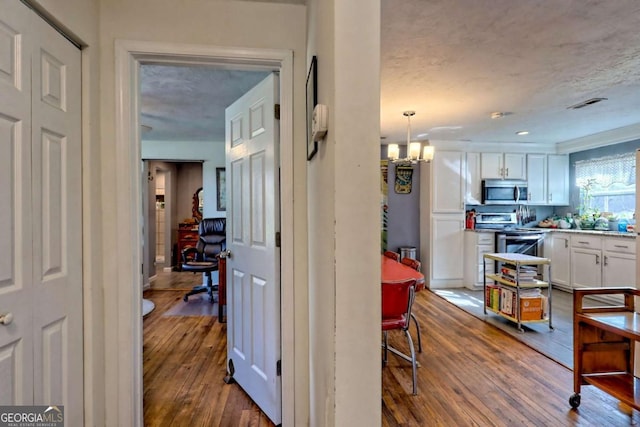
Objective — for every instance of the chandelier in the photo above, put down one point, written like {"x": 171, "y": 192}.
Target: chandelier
{"x": 414, "y": 149}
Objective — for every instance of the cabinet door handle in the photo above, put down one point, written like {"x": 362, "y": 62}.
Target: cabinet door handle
{"x": 597, "y": 259}
{"x": 507, "y": 174}
{"x": 605, "y": 260}
{"x": 551, "y": 197}
{"x": 566, "y": 243}
{"x": 621, "y": 246}
{"x": 584, "y": 243}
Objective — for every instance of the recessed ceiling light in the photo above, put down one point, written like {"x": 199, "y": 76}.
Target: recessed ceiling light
{"x": 522, "y": 132}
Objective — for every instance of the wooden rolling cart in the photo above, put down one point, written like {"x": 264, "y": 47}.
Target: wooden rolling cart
{"x": 517, "y": 286}
{"x": 604, "y": 340}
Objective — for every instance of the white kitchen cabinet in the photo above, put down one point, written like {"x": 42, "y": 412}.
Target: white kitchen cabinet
{"x": 619, "y": 262}
{"x": 558, "y": 179}
{"x": 586, "y": 269}
{"x": 477, "y": 244}
{"x": 557, "y": 248}
{"x": 618, "y": 269}
{"x": 537, "y": 179}
{"x": 548, "y": 179}
{"x": 473, "y": 184}
{"x": 447, "y": 250}
{"x": 602, "y": 261}
{"x": 447, "y": 190}
{"x": 503, "y": 166}
{"x": 586, "y": 260}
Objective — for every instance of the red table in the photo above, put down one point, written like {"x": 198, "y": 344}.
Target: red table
{"x": 394, "y": 271}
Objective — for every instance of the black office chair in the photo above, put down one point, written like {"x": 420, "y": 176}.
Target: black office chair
{"x": 204, "y": 257}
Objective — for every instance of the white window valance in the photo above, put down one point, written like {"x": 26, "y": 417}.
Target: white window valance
{"x": 605, "y": 172}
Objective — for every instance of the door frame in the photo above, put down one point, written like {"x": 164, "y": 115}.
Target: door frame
{"x": 128, "y": 57}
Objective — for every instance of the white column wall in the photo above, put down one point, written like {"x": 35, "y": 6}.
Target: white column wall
{"x": 344, "y": 219}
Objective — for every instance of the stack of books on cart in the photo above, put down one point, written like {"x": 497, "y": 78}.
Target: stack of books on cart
{"x": 533, "y": 304}
{"x": 524, "y": 274}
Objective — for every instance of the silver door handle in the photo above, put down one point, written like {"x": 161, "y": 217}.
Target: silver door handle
{"x": 597, "y": 259}
{"x": 605, "y": 260}
{"x": 225, "y": 254}
{"x": 6, "y": 318}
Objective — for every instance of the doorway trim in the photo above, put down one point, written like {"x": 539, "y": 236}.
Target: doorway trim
{"x": 128, "y": 56}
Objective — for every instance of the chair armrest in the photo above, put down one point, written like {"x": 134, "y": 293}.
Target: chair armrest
{"x": 190, "y": 252}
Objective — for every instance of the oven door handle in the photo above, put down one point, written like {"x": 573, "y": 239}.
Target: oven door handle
{"x": 516, "y": 194}
{"x": 510, "y": 238}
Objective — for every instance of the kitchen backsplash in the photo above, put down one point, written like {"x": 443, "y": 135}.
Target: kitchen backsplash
{"x": 535, "y": 214}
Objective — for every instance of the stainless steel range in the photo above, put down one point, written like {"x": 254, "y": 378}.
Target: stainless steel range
{"x": 510, "y": 238}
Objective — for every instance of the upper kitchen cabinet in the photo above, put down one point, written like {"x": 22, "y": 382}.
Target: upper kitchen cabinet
{"x": 448, "y": 184}
{"x": 503, "y": 166}
{"x": 473, "y": 184}
{"x": 558, "y": 179}
{"x": 537, "y": 179}
{"x": 548, "y": 179}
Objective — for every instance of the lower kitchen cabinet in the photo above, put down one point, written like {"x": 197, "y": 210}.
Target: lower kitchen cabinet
{"x": 586, "y": 270}
{"x": 557, "y": 248}
{"x": 619, "y": 262}
{"x": 447, "y": 250}
{"x": 602, "y": 261}
{"x": 586, "y": 261}
{"x": 476, "y": 245}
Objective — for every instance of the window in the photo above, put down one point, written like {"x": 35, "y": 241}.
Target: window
{"x": 607, "y": 184}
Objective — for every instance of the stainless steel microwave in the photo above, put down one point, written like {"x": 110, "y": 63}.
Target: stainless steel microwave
{"x": 503, "y": 191}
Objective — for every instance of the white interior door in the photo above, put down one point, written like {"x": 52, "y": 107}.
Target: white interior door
{"x": 40, "y": 214}
{"x": 16, "y": 283}
{"x": 253, "y": 268}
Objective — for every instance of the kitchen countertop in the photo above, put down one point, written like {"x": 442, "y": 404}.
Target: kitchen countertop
{"x": 565, "y": 230}
{"x": 597, "y": 232}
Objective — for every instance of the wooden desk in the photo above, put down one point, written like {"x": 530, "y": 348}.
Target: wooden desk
{"x": 187, "y": 238}
{"x": 394, "y": 272}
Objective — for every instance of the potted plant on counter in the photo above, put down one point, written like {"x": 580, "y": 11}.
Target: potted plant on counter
{"x": 588, "y": 214}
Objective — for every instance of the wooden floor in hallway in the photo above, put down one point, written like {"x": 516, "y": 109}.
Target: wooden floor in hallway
{"x": 471, "y": 374}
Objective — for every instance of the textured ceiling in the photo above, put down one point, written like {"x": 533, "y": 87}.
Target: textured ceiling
{"x": 188, "y": 103}
{"x": 454, "y": 63}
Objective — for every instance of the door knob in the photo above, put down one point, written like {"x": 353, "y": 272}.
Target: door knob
{"x": 225, "y": 254}
{"x": 6, "y": 318}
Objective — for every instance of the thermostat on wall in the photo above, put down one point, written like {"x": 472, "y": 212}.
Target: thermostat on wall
{"x": 319, "y": 123}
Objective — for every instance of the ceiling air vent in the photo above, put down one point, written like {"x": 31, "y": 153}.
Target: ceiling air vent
{"x": 586, "y": 103}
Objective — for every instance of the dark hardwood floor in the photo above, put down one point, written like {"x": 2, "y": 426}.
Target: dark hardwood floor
{"x": 471, "y": 374}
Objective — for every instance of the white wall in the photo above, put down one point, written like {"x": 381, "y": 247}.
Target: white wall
{"x": 344, "y": 217}
{"x": 213, "y": 23}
